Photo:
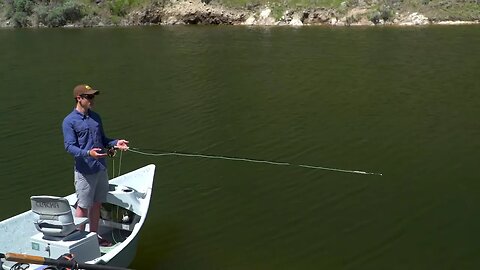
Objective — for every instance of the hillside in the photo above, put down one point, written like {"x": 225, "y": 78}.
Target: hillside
{"x": 85, "y": 13}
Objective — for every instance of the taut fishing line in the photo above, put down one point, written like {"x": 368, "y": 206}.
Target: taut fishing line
{"x": 159, "y": 153}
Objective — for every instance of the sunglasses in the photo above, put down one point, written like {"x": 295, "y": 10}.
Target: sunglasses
{"x": 89, "y": 97}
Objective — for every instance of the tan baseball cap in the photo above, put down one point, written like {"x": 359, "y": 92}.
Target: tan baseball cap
{"x": 84, "y": 89}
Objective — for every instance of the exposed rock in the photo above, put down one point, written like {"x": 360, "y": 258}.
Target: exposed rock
{"x": 265, "y": 13}
{"x": 264, "y": 17}
{"x": 186, "y": 12}
{"x": 319, "y": 16}
{"x": 152, "y": 15}
{"x": 414, "y": 19}
{"x": 287, "y": 17}
{"x": 296, "y": 22}
{"x": 6, "y": 24}
{"x": 172, "y": 20}
{"x": 250, "y": 21}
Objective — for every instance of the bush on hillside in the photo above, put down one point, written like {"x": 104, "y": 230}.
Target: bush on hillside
{"x": 119, "y": 7}
{"x": 56, "y": 16}
{"x": 374, "y": 17}
{"x": 19, "y": 11}
{"x": 384, "y": 14}
{"x": 20, "y": 19}
{"x": 22, "y": 6}
{"x": 73, "y": 11}
{"x": 90, "y": 20}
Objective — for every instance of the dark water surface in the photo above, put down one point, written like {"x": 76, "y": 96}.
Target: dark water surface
{"x": 404, "y": 102}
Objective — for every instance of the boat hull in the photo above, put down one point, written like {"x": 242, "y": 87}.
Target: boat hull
{"x": 130, "y": 192}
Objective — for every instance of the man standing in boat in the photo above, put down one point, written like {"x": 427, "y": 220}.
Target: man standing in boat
{"x": 85, "y": 139}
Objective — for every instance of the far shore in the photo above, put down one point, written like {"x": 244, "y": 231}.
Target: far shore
{"x": 188, "y": 12}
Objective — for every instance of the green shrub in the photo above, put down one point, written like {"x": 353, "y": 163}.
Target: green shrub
{"x": 278, "y": 11}
{"x": 19, "y": 11}
{"x": 375, "y": 17}
{"x": 57, "y": 16}
{"x": 41, "y": 11}
{"x": 90, "y": 20}
{"x": 23, "y": 6}
{"x": 119, "y": 7}
{"x": 72, "y": 11}
{"x": 20, "y": 19}
{"x": 383, "y": 13}
{"x": 115, "y": 20}
{"x": 386, "y": 13}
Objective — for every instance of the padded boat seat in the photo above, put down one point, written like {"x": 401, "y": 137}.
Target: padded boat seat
{"x": 54, "y": 216}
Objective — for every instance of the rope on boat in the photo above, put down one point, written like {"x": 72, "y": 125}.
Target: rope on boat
{"x": 184, "y": 154}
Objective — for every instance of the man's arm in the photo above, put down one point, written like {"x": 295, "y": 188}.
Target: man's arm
{"x": 70, "y": 141}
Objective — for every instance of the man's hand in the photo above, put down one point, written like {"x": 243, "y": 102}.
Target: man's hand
{"x": 122, "y": 145}
{"x": 94, "y": 152}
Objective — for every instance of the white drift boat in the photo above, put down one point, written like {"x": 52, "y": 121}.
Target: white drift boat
{"x": 49, "y": 229}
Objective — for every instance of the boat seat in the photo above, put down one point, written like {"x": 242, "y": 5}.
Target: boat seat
{"x": 54, "y": 216}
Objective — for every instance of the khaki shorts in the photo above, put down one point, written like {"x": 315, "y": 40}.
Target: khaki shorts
{"x": 91, "y": 188}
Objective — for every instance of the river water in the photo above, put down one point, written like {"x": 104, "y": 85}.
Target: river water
{"x": 403, "y": 102}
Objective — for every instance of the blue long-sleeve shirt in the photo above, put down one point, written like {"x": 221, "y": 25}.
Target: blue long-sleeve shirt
{"x": 82, "y": 133}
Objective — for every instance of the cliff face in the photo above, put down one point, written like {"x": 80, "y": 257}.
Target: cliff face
{"x": 73, "y": 14}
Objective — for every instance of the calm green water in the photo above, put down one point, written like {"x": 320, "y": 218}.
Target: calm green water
{"x": 403, "y": 102}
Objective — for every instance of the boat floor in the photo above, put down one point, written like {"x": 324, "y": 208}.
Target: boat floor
{"x": 116, "y": 237}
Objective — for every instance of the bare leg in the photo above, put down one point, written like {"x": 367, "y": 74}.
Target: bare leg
{"x": 81, "y": 212}
{"x": 94, "y": 216}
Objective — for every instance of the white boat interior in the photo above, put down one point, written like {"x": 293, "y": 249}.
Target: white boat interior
{"x": 50, "y": 229}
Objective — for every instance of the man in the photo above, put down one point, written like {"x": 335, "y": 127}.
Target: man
{"x": 85, "y": 139}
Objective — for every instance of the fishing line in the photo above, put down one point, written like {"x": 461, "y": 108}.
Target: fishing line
{"x": 184, "y": 154}
{"x": 119, "y": 165}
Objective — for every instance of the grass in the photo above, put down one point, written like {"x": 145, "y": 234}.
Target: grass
{"x": 450, "y": 10}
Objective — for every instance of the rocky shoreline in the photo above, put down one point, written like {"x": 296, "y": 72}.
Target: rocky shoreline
{"x": 197, "y": 12}
{"x": 186, "y": 12}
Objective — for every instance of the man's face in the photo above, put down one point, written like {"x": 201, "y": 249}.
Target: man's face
{"x": 87, "y": 101}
